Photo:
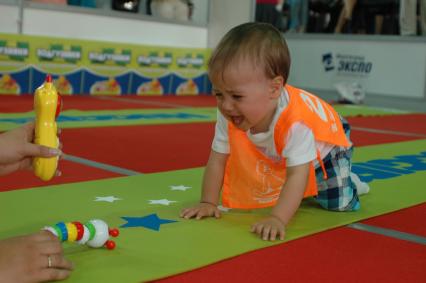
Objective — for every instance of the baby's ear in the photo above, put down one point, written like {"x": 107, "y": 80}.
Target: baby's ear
{"x": 277, "y": 84}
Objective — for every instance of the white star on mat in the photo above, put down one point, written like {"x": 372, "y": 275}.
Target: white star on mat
{"x": 161, "y": 201}
{"x": 222, "y": 208}
{"x": 107, "y": 199}
{"x": 179, "y": 188}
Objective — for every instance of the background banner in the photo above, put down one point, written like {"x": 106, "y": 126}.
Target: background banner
{"x": 85, "y": 67}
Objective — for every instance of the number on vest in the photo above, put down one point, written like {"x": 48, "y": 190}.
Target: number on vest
{"x": 318, "y": 108}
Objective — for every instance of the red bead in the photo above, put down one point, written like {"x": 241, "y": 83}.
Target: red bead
{"x": 110, "y": 245}
{"x": 80, "y": 230}
{"x": 114, "y": 232}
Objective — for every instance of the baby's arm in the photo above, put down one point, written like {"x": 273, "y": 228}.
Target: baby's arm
{"x": 287, "y": 204}
{"x": 212, "y": 184}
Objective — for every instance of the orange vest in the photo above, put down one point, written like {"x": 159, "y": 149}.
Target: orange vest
{"x": 252, "y": 180}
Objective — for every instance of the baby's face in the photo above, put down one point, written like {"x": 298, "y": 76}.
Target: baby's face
{"x": 246, "y": 97}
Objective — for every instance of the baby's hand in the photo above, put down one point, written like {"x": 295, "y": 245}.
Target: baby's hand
{"x": 202, "y": 210}
{"x": 269, "y": 228}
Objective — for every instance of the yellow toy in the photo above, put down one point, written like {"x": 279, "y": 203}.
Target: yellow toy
{"x": 47, "y": 104}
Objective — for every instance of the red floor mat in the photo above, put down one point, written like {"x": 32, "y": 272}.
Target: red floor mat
{"x": 410, "y": 220}
{"x": 152, "y": 148}
{"x": 396, "y": 125}
{"x": 363, "y": 138}
{"x": 172, "y": 100}
{"x": 407, "y": 123}
{"x": 12, "y": 103}
{"x": 71, "y": 173}
{"x": 340, "y": 255}
{"x": 156, "y": 148}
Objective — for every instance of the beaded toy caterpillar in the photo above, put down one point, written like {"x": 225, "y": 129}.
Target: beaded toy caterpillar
{"x": 95, "y": 233}
{"x": 47, "y": 105}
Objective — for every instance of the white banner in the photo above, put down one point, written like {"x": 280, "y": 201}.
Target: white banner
{"x": 388, "y": 68}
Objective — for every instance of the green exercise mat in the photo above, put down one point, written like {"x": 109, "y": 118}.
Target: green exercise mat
{"x": 103, "y": 118}
{"x": 355, "y": 110}
{"x": 84, "y": 119}
{"x": 145, "y": 254}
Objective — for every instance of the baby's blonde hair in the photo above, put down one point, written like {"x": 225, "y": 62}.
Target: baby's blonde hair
{"x": 260, "y": 43}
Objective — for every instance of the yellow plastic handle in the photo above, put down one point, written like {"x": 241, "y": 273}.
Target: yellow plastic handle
{"x": 45, "y": 103}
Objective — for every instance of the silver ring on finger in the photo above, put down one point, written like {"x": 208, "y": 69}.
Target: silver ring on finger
{"x": 49, "y": 261}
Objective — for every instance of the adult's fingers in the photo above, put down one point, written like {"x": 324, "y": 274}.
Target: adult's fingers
{"x": 25, "y": 164}
{"x": 6, "y": 169}
{"x": 50, "y": 247}
{"x": 40, "y": 151}
{"x": 52, "y": 274}
{"x": 29, "y": 130}
{"x": 47, "y": 243}
{"x": 43, "y": 236}
{"x": 58, "y": 261}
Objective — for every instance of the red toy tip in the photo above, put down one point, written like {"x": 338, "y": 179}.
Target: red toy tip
{"x": 110, "y": 245}
{"x": 48, "y": 78}
{"x": 114, "y": 232}
{"x": 58, "y": 106}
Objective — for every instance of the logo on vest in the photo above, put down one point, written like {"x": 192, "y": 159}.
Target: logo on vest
{"x": 318, "y": 108}
{"x": 270, "y": 184}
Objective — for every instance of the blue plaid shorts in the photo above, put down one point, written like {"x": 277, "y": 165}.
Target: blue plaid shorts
{"x": 338, "y": 192}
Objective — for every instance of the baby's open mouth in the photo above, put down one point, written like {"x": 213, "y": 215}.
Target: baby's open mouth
{"x": 237, "y": 120}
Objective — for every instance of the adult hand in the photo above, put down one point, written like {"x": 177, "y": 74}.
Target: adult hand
{"x": 17, "y": 149}
{"x": 33, "y": 258}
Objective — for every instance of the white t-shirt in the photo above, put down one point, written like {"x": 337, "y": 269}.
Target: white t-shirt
{"x": 300, "y": 144}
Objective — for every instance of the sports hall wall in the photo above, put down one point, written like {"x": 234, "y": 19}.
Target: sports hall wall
{"x": 386, "y": 66}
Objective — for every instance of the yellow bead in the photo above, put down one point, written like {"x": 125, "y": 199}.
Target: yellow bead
{"x": 72, "y": 232}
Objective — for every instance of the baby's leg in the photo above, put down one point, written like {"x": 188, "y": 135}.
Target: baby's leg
{"x": 361, "y": 187}
{"x": 338, "y": 192}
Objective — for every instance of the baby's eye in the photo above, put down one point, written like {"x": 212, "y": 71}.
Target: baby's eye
{"x": 237, "y": 97}
{"x": 217, "y": 94}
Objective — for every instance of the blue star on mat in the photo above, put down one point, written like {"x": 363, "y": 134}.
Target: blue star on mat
{"x": 151, "y": 221}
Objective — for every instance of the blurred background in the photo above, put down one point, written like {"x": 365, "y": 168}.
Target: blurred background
{"x": 375, "y": 49}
